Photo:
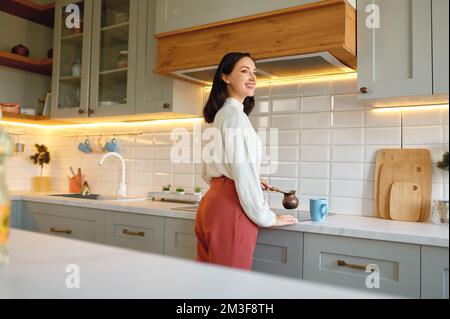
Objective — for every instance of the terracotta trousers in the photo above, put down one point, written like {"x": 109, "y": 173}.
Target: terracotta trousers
{"x": 225, "y": 235}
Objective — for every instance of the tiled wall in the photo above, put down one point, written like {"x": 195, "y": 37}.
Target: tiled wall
{"x": 326, "y": 147}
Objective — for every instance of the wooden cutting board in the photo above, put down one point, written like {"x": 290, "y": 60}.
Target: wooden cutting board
{"x": 402, "y": 165}
{"x": 405, "y": 202}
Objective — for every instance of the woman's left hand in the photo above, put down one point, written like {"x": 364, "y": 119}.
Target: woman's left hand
{"x": 265, "y": 185}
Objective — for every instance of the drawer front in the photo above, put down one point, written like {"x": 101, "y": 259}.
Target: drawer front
{"x": 434, "y": 272}
{"x": 141, "y": 232}
{"x": 179, "y": 238}
{"x": 278, "y": 252}
{"x": 67, "y": 221}
{"x": 343, "y": 261}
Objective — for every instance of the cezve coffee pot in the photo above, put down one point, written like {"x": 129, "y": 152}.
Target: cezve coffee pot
{"x": 290, "y": 201}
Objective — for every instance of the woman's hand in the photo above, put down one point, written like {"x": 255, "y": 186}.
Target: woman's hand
{"x": 265, "y": 185}
{"x": 283, "y": 220}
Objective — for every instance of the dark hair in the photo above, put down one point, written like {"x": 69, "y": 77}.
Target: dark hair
{"x": 219, "y": 92}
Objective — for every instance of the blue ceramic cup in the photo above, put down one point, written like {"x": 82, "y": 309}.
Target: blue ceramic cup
{"x": 85, "y": 146}
{"x": 112, "y": 146}
{"x": 318, "y": 209}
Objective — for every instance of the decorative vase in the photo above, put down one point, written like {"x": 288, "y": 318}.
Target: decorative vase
{"x": 20, "y": 50}
{"x": 41, "y": 183}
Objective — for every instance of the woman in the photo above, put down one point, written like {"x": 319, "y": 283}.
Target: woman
{"x": 230, "y": 212}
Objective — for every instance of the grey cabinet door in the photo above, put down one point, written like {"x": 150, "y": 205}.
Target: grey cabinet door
{"x": 179, "y": 238}
{"x": 16, "y": 216}
{"x": 394, "y": 60}
{"x": 434, "y": 272}
{"x": 66, "y": 221}
{"x": 348, "y": 262}
{"x": 180, "y": 14}
{"x": 440, "y": 46}
{"x": 279, "y": 252}
{"x": 153, "y": 91}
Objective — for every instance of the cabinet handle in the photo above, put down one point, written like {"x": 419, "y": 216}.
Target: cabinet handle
{"x": 166, "y": 105}
{"x": 132, "y": 233}
{"x": 364, "y": 90}
{"x": 343, "y": 263}
{"x": 80, "y": 111}
{"x": 90, "y": 111}
{"x": 60, "y": 231}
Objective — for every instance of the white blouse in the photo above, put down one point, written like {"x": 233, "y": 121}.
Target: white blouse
{"x": 238, "y": 157}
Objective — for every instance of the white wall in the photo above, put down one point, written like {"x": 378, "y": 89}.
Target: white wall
{"x": 327, "y": 144}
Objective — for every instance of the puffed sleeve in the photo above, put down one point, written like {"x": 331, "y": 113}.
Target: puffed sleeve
{"x": 239, "y": 149}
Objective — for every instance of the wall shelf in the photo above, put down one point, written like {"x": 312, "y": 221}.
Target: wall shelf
{"x": 39, "y": 13}
{"x": 41, "y": 66}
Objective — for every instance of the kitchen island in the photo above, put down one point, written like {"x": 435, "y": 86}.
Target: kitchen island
{"x": 43, "y": 266}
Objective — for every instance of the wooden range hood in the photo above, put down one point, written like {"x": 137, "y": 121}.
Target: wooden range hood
{"x": 279, "y": 39}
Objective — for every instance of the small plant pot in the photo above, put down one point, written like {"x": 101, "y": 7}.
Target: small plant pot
{"x": 41, "y": 183}
{"x": 180, "y": 193}
{"x": 197, "y": 193}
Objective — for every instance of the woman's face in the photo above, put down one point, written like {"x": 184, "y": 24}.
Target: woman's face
{"x": 241, "y": 82}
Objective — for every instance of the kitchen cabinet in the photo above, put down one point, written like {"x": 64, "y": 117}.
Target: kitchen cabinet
{"x": 141, "y": 232}
{"x": 178, "y": 14}
{"x": 440, "y": 17}
{"x": 435, "y": 278}
{"x": 279, "y": 252}
{"x": 156, "y": 93}
{"x": 394, "y": 60}
{"x": 95, "y": 65}
{"x": 348, "y": 262}
{"x": 179, "y": 238}
{"x": 66, "y": 221}
{"x": 16, "y": 218}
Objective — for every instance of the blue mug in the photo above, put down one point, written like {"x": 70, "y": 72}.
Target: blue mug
{"x": 112, "y": 146}
{"x": 85, "y": 147}
{"x": 318, "y": 209}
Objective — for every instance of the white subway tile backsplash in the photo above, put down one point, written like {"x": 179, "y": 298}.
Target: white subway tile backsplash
{"x": 315, "y": 153}
{"x": 291, "y": 137}
{"x": 261, "y": 106}
{"x": 162, "y": 166}
{"x": 354, "y": 171}
{"x": 344, "y": 86}
{"x": 350, "y": 188}
{"x": 370, "y": 151}
{"x": 285, "y": 105}
{"x": 160, "y": 179}
{"x": 347, "y": 136}
{"x": 369, "y": 208}
{"x": 183, "y": 180}
{"x": 445, "y": 191}
{"x": 315, "y": 137}
{"x": 285, "y": 90}
{"x": 369, "y": 189}
{"x": 346, "y": 205}
{"x": 259, "y": 121}
{"x": 286, "y": 122}
{"x": 437, "y": 191}
{"x": 286, "y": 154}
{"x": 375, "y": 118}
{"x": 144, "y": 153}
{"x": 422, "y": 117}
{"x": 315, "y": 120}
{"x": 261, "y": 92}
{"x": 350, "y": 154}
{"x": 423, "y": 135}
{"x": 347, "y": 102}
{"x": 285, "y": 170}
{"x": 314, "y": 170}
{"x": 445, "y": 134}
{"x": 185, "y": 168}
{"x": 383, "y": 135}
{"x": 142, "y": 178}
{"x": 284, "y": 183}
{"x": 316, "y": 104}
{"x": 312, "y": 88}
{"x": 369, "y": 172}
{"x": 348, "y": 119}
{"x": 162, "y": 152}
{"x": 315, "y": 187}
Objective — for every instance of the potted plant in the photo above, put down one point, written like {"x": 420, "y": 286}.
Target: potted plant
{"x": 443, "y": 164}
{"x": 197, "y": 191}
{"x": 180, "y": 190}
{"x": 166, "y": 188}
{"x": 440, "y": 212}
{"x": 42, "y": 157}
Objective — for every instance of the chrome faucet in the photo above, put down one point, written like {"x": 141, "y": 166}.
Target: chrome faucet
{"x": 122, "y": 191}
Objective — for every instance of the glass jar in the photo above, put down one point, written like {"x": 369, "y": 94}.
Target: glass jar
{"x": 76, "y": 67}
{"x": 122, "y": 61}
{"x": 5, "y": 205}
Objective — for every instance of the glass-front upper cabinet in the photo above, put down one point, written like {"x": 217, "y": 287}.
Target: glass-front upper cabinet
{"x": 113, "y": 64}
{"x": 71, "y": 58}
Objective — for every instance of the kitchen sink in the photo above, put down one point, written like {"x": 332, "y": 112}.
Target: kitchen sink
{"x": 104, "y": 198}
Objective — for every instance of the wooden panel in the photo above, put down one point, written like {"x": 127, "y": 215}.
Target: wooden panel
{"x": 435, "y": 273}
{"x": 322, "y": 26}
{"x": 440, "y": 16}
{"x": 141, "y": 232}
{"x": 343, "y": 261}
{"x": 402, "y": 165}
{"x": 179, "y": 238}
{"x": 279, "y": 252}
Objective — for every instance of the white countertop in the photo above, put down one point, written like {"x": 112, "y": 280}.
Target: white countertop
{"x": 37, "y": 269}
{"x": 341, "y": 225}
